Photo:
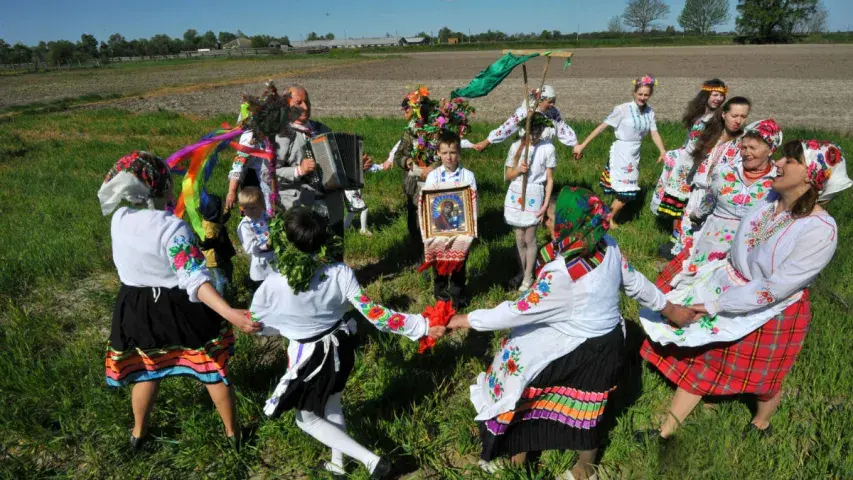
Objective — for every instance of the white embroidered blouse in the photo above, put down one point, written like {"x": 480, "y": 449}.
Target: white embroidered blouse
{"x": 540, "y": 158}
{"x": 333, "y": 291}
{"x": 561, "y": 129}
{"x": 153, "y": 248}
{"x": 629, "y": 124}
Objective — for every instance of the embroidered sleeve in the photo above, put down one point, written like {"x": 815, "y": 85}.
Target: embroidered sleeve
{"x": 638, "y": 287}
{"x": 187, "y": 261}
{"x": 615, "y": 117}
{"x": 383, "y": 318}
{"x": 240, "y": 160}
{"x": 508, "y": 128}
{"x": 565, "y": 133}
{"x": 535, "y": 306}
{"x": 813, "y": 251}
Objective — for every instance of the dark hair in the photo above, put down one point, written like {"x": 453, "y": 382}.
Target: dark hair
{"x": 651, "y": 88}
{"x": 449, "y": 138}
{"x": 696, "y": 107}
{"x": 804, "y": 205}
{"x": 714, "y": 129}
{"x": 537, "y": 128}
{"x": 305, "y": 229}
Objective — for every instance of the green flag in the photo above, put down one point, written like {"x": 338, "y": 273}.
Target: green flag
{"x": 491, "y": 77}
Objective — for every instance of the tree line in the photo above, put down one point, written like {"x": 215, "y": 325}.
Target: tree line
{"x": 758, "y": 21}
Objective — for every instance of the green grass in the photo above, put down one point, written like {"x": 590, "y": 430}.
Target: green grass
{"x": 57, "y": 287}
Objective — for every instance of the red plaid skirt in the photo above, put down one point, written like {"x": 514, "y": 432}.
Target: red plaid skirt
{"x": 673, "y": 268}
{"x": 755, "y": 364}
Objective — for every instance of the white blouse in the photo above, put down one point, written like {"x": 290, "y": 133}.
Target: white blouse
{"x": 254, "y": 236}
{"x": 153, "y": 248}
{"x": 461, "y": 176}
{"x": 561, "y": 129}
{"x": 629, "y": 124}
{"x": 550, "y": 320}
{"x": 333, "y": 291}
{"x": 540, "y": 157}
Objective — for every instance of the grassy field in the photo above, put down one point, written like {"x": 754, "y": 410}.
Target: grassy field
{"x": 57, "y": 287}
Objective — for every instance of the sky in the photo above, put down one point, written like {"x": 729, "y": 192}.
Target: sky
{"x": 30, "y": 21}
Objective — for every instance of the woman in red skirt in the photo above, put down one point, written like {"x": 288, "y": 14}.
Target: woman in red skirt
{"x": 753, "y": 309}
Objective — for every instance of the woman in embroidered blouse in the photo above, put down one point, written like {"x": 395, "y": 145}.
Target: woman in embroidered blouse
{"x": 168, "y": 318}
{"x": 673, "y": 187}
{"x": 548, "y": 385}
{"x": 631, "y": 122}
{"x": 544, "y": 102}
{"x": 757, "y": 300}
{"x": 735, "y": 187}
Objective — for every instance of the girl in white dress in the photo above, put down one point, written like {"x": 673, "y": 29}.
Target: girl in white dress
{"x": 539, "y": 167}
{"x": 631, "y": 122}
{"x": 752, "y": 309}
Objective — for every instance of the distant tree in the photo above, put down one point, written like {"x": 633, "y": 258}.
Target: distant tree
{"x": 641, "y": 14}
{"x": 261, "y": 41}
{"x": 284, "y": 40}
{"x": 60, "y": 51}
{"x": 312, "y": 36}
{"x": 225, "y": 37}
{"x": 670, "y": 30}
{"x": 614, "y": 25}
{"x": 191, "y": 39}
{"x": 772, "y": 21}
{"x": 5, "y": 51}
{"x": 330, "y": 36}
{"x": 118, "y": 45}
{"x": 208, "y": 40}
{"x": 701, "y": 16}
{"x": 444, "y": 34}
{"x": 545, "y": 35}
{"x": 88, "y": 46}
{"x": 161, "y": 44}
{"x": 816, "y": 23}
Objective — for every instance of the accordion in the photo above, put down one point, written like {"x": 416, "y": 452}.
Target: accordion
{"x": 338, "y": 159}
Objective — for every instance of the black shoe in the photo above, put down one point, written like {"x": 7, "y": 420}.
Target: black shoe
{"x": 136, "y": 443}
{"x": 665, "y": 251}
{"x": 382, "y": 470}
{"x": 752, "y": 429}
{"x": 649, "y": 436}
{"x": 234, "y": 440}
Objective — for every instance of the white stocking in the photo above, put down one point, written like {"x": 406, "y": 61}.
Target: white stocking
{"x": 332, "y": 436}
{"x": 364, "y": 221}
{"x": 335, "y": 414}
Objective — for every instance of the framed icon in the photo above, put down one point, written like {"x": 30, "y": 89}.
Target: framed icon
{"x": 448, "y": 212}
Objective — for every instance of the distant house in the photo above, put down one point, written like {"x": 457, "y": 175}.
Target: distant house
{"x": 452, "y": 40}
{"x": 351, "y": 42}
{"x": 274, "y": 44}
{"x": 415, "y": 40}
{"x": 239, "y": 43}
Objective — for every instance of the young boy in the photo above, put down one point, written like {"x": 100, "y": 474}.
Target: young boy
{"x": 216, "y": 246}
{"x": 452, "y": 286}
{"x": 254, "y": 233}
{"x": 306, "y": 301}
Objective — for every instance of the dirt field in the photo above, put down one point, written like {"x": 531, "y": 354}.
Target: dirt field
{"x": 803, "y": 85}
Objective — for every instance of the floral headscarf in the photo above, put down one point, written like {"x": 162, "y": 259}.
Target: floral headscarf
{"x": 827, "y": 168}
{"x": 137, "y": 178}
{"x": 768, "y": 130}
{"x": 580, "y": 223}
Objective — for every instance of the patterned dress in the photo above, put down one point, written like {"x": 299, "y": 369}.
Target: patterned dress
{"x": 621, "y": 176}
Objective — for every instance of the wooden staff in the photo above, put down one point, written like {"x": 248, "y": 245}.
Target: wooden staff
{"x": 526, "y": 139}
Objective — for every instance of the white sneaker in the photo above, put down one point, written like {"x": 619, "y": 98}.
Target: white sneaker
{"x": 492, "y": 467}
{"x": 525, "y": 285}
{"x": 567, "y": 475}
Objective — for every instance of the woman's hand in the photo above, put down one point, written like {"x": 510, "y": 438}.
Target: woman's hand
{"x": 522, "y": 168}
{"x": 699, "y": 311}
{"x": 678, "y": 314}
{"x": 366, "y": 162}
{"x": 542, "y": 212}
{"x": 458, "y": 321}
{"x": 577, "y": 151}
{"x": 662, "y": 157}
{"x": 230, "y": 200}
{"x": 480, "y": 146}
{"x": 436, "y": 332}
{"x": 242, "y": 319}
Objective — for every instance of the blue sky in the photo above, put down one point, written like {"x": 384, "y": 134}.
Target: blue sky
{"x": 34, "y": 20}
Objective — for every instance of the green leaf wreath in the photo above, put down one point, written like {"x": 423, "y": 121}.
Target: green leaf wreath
{"x": 297, "y": 266}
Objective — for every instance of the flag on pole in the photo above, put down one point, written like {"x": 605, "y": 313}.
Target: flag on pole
{"x": 492, "y": 76}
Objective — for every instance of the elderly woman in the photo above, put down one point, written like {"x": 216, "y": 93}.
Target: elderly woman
{"x": 548, "y": 386}
{"x": 168, "y": 318}
{"x": 753, "y": 308}
{"x": 542, "y": 101}
{"x": 735, "y": 186}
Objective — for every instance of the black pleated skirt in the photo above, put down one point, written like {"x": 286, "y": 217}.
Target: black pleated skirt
{"x": 562, "y": 407}
{"x": 313, "y": 394}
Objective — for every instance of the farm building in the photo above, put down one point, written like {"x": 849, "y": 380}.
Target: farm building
{"x": 274, "y": 44}
{"x": 360, "y": 42}
{"x": 239, "y": 43}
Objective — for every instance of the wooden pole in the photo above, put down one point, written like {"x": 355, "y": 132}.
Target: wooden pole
{"x": 526, "y": 138}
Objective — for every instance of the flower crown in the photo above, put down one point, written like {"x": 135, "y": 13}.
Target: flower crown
{"x": 646, "y": 80}
{"x": 713, "y": 88}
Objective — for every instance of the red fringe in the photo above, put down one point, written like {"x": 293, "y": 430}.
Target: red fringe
{"x": 443, "y": 267}
{"x": 437, "y": 315}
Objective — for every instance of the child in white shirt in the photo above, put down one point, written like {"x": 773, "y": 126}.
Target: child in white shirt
{"x": 254, "y": 233}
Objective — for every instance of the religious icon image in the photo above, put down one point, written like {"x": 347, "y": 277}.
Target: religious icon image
{"x": 447, "y": 212}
